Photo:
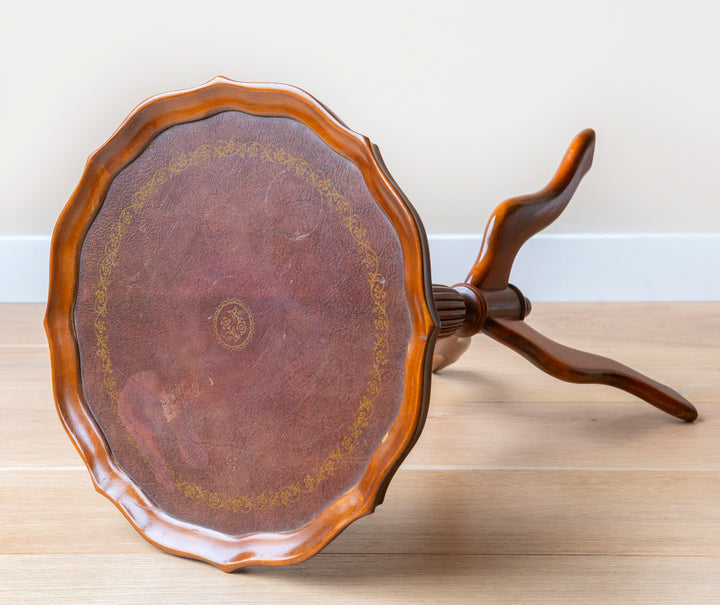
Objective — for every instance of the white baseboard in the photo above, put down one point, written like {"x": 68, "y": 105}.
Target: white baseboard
{"x": 550, "y": 267}
{"x": 597, "y": 266}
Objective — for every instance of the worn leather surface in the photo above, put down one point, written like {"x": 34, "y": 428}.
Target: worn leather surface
{"x": 242, "y": 323}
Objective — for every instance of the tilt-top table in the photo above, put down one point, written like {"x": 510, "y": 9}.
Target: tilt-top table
{"x": 243, "y": 326}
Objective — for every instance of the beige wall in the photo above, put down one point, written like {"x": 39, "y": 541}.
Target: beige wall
{"x": 470, "y": 102}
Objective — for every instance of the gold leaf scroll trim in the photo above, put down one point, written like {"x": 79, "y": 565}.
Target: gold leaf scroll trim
{"x": 375, "y": 279}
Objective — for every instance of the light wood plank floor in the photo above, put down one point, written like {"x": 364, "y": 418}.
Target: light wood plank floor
{"x": 522, "y": 489}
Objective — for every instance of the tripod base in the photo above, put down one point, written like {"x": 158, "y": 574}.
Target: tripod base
{"x": 487, "y": 302}
{"x": 570, "y": 365}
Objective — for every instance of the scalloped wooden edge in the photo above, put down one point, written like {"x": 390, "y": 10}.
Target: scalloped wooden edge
{"x": 147, "y": 120}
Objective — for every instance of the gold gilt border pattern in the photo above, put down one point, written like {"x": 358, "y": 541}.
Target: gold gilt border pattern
{"x": 375, "y": 281}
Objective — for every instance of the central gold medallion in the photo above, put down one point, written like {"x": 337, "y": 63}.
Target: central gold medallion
{"x": 233, "y": 324}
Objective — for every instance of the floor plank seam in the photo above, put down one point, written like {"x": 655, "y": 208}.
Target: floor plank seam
{"x": 14, "y": 469}
{"x": 601, "y": 469}
{"x": 521, "y": 554}
{"x": 446, "y": 468}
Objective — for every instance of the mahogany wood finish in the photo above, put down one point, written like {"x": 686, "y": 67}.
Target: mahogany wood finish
{"x": 230, "y": 412}
{"x": 242, "y": 325}
{"x": 450, "y": 307}
{"x": 572, "y": 365}
{"x": 497, "y": 308}
{"x": 516, "y": 220}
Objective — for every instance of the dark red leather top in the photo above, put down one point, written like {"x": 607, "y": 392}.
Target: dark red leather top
{"x": 242, "y": 322}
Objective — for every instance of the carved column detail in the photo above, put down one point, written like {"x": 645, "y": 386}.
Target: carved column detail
{"x": 450, "y": 308}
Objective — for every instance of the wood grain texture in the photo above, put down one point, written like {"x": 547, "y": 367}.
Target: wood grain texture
{"x": 366, "y": 579}
{"x": 439, "y": 512}
{"x": 19, "y": 325}
{"x": 521, "y": 489}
